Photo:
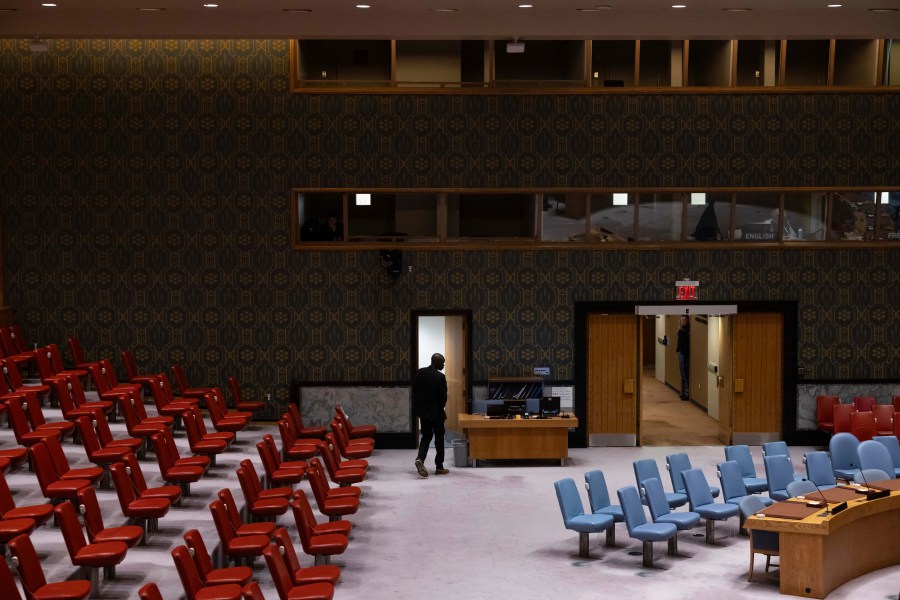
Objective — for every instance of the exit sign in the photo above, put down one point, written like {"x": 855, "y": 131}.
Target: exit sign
{"x": 687, "y": 290}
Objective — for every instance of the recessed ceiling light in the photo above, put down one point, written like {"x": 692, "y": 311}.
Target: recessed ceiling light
{"x": 363, "y": 6}
{"x": 49, "y": 4}
{"x": 679, "y": 6}
{"x": 526, "y": 6}
{"x": 210, "y": 5}
{"x": 883, "y": 9}
{"x": 835, "y": 5}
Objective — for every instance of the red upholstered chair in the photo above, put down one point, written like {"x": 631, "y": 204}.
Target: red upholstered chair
{"x": 864, "y": 403}
{"x": 236, "y": 546}
{"x": 825, "y": 412}
{"x": 349, "y": 449}
{"x": 138, "y": 427}
{"x": 172, "y": 493}
{"x": 96, "y": 453}
{"x": 31, "y": 405}
{"x": 31, "y": 574}
{"x": 321, "y": 547}
{"x": 7, "y": 582}
{"x": 330, "y": 504}
{"x": 209, "y": 575}
{"x": 358, "y": 463}
{"x": 299, "y": 502}
{"x": 172, "y": 467}
{"x": 300, "y": 575}
{"x": 862, "y": 425}
{"x": 237, "y": 399}
{"x": 895, "y": 401}
{"x": 76, "y": 351}
{"x": 52, "y": 486}
{"x": 284, "y": 583}
{"x": 293, "y": 448}
{"x": 73, "y": 402}
{"x": 265, "y": 528}
{"x": 278, "y": 473}
{"x": 39, "y": 513}
{"x": 13, "y": 348}
{"x": 101, "y": 426}
{"x": 261, "y": 508}
{"x": 271, "y": 492}
{"x": 884, "y": 418}
{"x": 64, "y": 471}
{"x": 16, "y": 456}
{"x": 897, "y": 424}
{"x": 252, "y": 592}
{"x": 842, "y": 414}
{"x": 18, "y": 420}
{"x": 166, "y": 403}
{"x": 131, "y": 370}
{"x": 338, "y": 475}
{"x": 138, "y": 402}
{"x": 145, "y": 511}
{"x": 13, "y": 528}
{"x": 269, "y": 441}
{"x": 222, "y": 422}
{"x": 193, "y": 586}
{"x": 12, "y": 381}
{"x": 347, "y": 491}
{"x": 185, "y": 389}
{"x": 106, "y": 383}
{"x": 354, "y": 431}
{"x": 97, "y": 532}
{"x": 201, "y": 445}
{"x": 149, "y": 592}
{"x": 90, "y": 557}
{"x": 219, "y": 398}
{"x": 50, "y": 366}
{"x": 300, "y": 430}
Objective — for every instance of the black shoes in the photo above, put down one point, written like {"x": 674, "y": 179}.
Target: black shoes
{"x": 423, "y": 472}
{"x": 441, "y": 471}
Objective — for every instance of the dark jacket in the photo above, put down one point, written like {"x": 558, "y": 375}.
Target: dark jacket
{"x": 429, "y": 394}
{"x": 684, "y": 341}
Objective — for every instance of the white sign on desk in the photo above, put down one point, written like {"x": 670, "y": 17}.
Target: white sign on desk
{"x": 565, "y": 396}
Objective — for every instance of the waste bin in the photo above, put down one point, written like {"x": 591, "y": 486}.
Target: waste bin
{"x": 460, "y": 452}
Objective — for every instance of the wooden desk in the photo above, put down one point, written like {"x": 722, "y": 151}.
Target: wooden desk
{"x": 818, "y": 554}
{"x": 517, "y": 438}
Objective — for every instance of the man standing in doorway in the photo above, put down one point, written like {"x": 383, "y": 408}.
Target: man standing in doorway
{"x": 683, "y": 348}
{"x": 429, "y": 397}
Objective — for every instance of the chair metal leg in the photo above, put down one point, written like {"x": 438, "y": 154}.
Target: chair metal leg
{"x": 584, "y": 541}
{"x": 93, "y": 576}
{"x": 323, "y": 559}
{"x": 611, "y": 536}
{"x": 750, "y": 574}
{"x": 109, "y": 572}
{"x": 710, "y": 531}
{"x": 648, "y": 554}
{"x": 673, "y": 545}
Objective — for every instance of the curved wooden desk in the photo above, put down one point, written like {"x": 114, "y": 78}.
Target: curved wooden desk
{"x": 819, "y": 553}
{"x": 517, "y": 438}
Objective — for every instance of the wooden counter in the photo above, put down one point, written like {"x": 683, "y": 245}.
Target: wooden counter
{"x": 517, "y": 438}
{"x": 819, "y": 553}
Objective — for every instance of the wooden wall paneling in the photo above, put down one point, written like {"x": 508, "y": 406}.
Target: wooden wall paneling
{"x": 758, "y": 357}
{"x": 455, "y": 353}
{"x": 612, "y": 360}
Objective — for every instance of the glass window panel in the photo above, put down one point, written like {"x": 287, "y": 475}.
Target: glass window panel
{"x": 659, "y": 217}
{"x": 313, "y": 213}
{"x": 756, "y": 216}
{"x": 491, "y": 216}
{"x": 889, "y": 214}
{"x": 804, "y": 216}
{"x": 612, "y": 217}
{"x": 389, "y": 217}
{"x": 861, "y": 216}
{"x": 709, "y": 217}
{"x": 564, "y": 217}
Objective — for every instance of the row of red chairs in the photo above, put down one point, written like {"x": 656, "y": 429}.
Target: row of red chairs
{"x": 864, "y": 418}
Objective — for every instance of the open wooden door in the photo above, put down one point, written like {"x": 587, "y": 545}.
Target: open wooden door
{"x": 758, "y": 377}
{"x": 455, "y": 368}
{"x": 612, "y": 380}
{"x": 726, "y": 377}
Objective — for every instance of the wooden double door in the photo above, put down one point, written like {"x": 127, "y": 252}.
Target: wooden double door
{"x": 750, "y": 410}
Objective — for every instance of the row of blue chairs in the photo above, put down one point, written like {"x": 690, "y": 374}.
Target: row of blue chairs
{"x": 849, "y": 456}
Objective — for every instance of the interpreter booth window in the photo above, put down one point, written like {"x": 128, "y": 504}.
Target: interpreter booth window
{"x": 392, "y": 217}
{"x": 612, "y": 217}
{"x": 319, "y": 217}
{"x": 660, "y": 217}
{"x": 497, "y": 216}
{"x": 864, "y": 216}
{"x": 708, "y": 217}
{"x": 583, "y": 217}
{"x": 804, "y": 216}
{"x": 757, "y": 217}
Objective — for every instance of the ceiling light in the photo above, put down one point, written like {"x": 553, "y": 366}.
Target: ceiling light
{"x": 835, "y": 5}
{"x": 526, "y": 6}
{"x": 210, "y": 5}
{"x": 49, "y": 4}
{"x": 363, "y": 6}
{"x": 364, "y": 199}
{"x": 679, "y": 6}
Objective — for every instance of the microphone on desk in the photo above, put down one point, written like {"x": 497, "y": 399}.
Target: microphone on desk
{"x": 818, "y": 489}
{"x": 872, "y": 494}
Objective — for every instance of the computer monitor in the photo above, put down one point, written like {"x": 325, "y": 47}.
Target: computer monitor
{"x": 495, "y": 410}
{"x": 514, "y": 407}
{"x": 549, "y": 406}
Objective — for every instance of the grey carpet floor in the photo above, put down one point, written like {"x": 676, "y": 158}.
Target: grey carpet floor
{"x": 478, "y": 533}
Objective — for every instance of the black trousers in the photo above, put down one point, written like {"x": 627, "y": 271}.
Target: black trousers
{"x": 432, "y": 429}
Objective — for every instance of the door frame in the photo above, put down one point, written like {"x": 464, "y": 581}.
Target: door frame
{"x": 414, "y": 353}
{"x": 789, "y": 312}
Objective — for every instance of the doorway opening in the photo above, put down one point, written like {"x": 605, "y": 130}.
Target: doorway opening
{"x": 672, "y": 413}
{"x": 447, "y": 333}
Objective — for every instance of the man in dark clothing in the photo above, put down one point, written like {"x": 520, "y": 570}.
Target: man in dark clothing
{"x": 429, "y": 397}
{"x": 683, "y": 348}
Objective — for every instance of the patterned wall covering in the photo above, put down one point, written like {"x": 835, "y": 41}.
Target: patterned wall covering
{"x": 145, "y": 201}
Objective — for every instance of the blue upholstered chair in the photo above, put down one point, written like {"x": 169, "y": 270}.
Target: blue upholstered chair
{"x": 646, "y": 469}
{"x": 893, "y": 446}
{"x": 779, "y": 473}
{"x": 733, "y": 488}
{"x": 661, "y": 513}
{"x": 819, "y": 469}
{"x": 874, "y": 455}
{"x": 844, "y": 459}
{"x": 574, "y": 518}
{"x": 676, "y": 464}
{"x": 775, "y": 449}
{"x": 741, "y": 455}
{"x": 702, "y": 503}
{"x": 598, "y": 496}
{"x": 761, "y": 542}
{"x": 638, "y": 527}
{"x": 865, "y": 476}
{"x": 803, "y": 487}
